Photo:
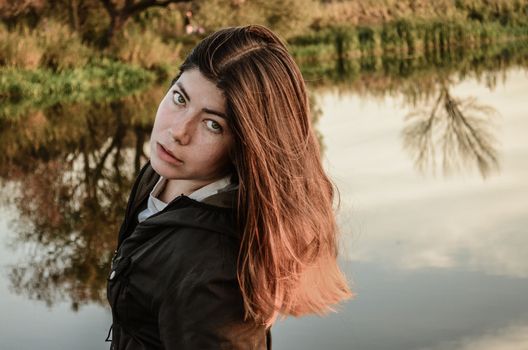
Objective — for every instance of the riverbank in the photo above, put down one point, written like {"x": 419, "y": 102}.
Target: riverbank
{"x": 51, "y": 63}
{"x": 402, "y": 38}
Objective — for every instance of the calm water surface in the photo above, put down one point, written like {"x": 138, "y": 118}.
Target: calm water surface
{"x": 438, "y": 261}
{"x": 434, "y": 231}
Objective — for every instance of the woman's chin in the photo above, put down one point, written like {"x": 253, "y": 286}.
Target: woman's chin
{"x": 158, "y": 165}
{"x": 163, "y": 168}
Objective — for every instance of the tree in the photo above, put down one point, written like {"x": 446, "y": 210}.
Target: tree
{"x": 120, "y": 12}
{"x": 12, "y": 10}
{"x": 286, "y": 17}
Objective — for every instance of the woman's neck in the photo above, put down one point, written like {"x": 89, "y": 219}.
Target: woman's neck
{"x": 175, "y": 187}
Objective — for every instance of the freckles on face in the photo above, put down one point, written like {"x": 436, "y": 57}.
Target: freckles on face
{"x": 212, "y": 154}
{"x": 191, "y": 126}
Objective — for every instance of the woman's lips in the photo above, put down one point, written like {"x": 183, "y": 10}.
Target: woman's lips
{"x": 167, "y": 156}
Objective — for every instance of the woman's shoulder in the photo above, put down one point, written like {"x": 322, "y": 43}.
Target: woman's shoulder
{"x": 188, "y": 243}
{"x": 197, "y": 231}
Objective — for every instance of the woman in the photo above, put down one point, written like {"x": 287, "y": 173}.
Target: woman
{"x": 230, "y": 224}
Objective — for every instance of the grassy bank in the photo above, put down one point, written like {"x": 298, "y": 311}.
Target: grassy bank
{"x": 402, "y": 38}
{"x": 52, "y": 45}
{"x": 21, "y": 89}
{"x": 378, "y": 12}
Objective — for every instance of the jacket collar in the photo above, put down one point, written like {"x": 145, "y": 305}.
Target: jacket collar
{"x": 147, "y": 179}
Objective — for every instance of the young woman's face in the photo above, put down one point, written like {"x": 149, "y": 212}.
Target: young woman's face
{"x": 191, "y": 136}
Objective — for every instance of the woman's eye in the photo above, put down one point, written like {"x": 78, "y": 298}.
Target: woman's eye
{"x": 213, "y": 126}
{"x": 178, "y": 98}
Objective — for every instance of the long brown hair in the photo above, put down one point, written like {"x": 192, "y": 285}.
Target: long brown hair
{"x": 287, "y": 261}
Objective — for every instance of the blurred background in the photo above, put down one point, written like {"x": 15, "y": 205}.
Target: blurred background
{"x": 421, "y": 109}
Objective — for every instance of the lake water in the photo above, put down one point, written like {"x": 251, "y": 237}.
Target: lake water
{"x": 433, "y": 215}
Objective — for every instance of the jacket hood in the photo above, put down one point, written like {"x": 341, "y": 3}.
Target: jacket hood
{"x": 184, "y": 211}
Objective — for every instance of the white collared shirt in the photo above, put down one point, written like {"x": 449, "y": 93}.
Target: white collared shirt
{"x": 155, "y": 205}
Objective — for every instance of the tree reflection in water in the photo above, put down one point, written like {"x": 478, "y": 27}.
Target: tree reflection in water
{"x": 72, "y": 173}
{"x": 458, "y": 131}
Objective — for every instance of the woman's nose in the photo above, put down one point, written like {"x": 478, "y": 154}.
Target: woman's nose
{"x": 182, "y": 129}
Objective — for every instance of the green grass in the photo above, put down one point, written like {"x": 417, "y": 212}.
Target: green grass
{"x": 108, "y": 80}
{"x": 403, "y": 38}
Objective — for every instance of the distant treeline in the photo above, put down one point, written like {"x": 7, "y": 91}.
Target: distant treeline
{"x": 52, "y": 42}
{"x": 152, "y": 34}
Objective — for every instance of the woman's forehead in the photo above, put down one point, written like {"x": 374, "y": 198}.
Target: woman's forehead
{"x": 197, "y": 85}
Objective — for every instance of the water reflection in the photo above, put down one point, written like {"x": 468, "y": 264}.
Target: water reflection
{"x": 415, "y": 77}
{"x": 66, "y": 228}
{"x": 444, "y": 133}
{"x": 513, "y": 337}
{"x": 488, "y": 238}
{"x": 72, "y": 167}
{"x": 408, "y": 221}
{"x": 458, "y": 131}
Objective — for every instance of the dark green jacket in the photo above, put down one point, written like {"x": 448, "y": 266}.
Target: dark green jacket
{"x": 173, "y": 281}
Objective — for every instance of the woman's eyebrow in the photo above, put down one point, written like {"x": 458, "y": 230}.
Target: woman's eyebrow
{"x": 206, "y": 110}
{"x": 183, "y": 90}
{"x": 210, "y": 111}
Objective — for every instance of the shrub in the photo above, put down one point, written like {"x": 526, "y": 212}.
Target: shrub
{"x": 145, "y": 48}
{"x": 19, "y": 48}
{"x": 49, "y": 45}
{"x": 366, "y": 37}
{"x": 62, "y": 48}
{"x": 287, "y": 17}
